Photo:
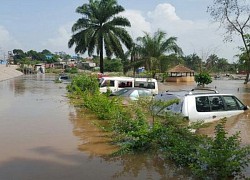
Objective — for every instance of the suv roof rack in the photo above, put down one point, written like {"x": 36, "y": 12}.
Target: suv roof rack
{"x": 203, "y": 89}
{"x": 192, "y": 91}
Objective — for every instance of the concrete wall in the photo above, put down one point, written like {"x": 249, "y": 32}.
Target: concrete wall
{"x": 9, "y": 72}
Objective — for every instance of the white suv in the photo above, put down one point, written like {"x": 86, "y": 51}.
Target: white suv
{"x": 200, "y": 104}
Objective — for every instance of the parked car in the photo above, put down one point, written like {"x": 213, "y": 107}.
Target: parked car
{"x": 64, "y": 78}
{"x": 200, "y": 104}
{"x": 132, "y": 94}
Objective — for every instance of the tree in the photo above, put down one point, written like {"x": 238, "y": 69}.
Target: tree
{"x": 113, "y": 65}
{"x": 36, "y": 55}
{"x": 153, "y": 47}
{"x": 193, "y": 62}
{"x": 235, "y": 16}
{"x": 169, "y": 61}
{"x": 18, "y": 55}
{"x": 132, "y": 59}
{"x": 46, "y": 52}
{"x": 100, "y": 27}
{"x": 202, "y": 78}
{"x": 211, "y": 62}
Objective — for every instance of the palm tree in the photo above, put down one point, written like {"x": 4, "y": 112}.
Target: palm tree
{"x": 100, "y": 28}
{"x": 152, "y": 48}
{"x": 132, "y": 59}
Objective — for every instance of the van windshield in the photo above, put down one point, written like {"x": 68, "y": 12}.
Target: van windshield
{"x": 106, "y": 83}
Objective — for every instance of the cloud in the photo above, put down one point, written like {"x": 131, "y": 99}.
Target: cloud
{"x": 193, "y": 36}
{"x": 166, "y": 11}
{"x": 139, "y": 25}
{"x": 60, "y": 41}
{"x": 7, "y": 42}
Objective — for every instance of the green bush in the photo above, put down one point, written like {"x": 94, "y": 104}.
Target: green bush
{"x": 202, "y": 79}
{"x": 83, "y": 83}
{"x": 104, "y": 107}
{"x": 208, "y": 158}
{"x": 71, "y": 70}
{"x": 220, "y": 157}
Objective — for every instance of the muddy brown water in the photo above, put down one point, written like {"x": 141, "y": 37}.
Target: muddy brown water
{"x": 42, "y": 136}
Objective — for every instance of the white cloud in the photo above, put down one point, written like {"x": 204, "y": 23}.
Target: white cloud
{"x": 193, "y": 36}
{"x": 139, "y": 25}
{"x": 60, "y": 41}
{"x": 7, "y": 42}
{"x": 164, "y": 11}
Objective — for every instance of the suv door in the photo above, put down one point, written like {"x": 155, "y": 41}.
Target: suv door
{"x": 215, "y": 107}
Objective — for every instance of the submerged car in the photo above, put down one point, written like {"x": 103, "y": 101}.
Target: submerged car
{"x": 132, "y": 94}
{"x": 64, "y": 78}
{"x": 200, "y": 104}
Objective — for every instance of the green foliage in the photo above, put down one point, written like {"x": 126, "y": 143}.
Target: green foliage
{"x": 173, "y": 138}
{"x": 193, "y": 61}
{"x": 104, "y": 107}
{"x": 221, "y": 157}
{"x": 34, "y": 57}
{"x": 82, "y": 83}
{"x": 152, "y": 48}
{"x": 203, "y": 78}
{"x": 130, "y": 126}
{"x": 112, "y": 65}
{"x": 72, "y": 70}
{"x": 101, "y": 26}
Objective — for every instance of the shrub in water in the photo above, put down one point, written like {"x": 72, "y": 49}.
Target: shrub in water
{"x": 221, "y": 157}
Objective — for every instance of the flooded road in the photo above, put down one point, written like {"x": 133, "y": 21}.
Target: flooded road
{"x": 43, "y": 137}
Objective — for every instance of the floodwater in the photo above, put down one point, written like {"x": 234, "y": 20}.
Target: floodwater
{"x": 42, "y": 136}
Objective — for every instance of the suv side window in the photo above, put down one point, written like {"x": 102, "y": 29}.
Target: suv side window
{"x": 209, "y": 103}
{"x": 202, "y": 104}
{"x": 231, "y": 103}
{"x": 216, "y": 103}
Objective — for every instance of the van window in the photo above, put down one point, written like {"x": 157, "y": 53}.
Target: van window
{"x": 148, "y": 85}
{"x": 108, "y": 83}
{"x": 122, "y": 84}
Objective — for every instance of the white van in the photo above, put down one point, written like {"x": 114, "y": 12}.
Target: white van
{"x": 148, "y": 83}
{"x": 116, "y": 83}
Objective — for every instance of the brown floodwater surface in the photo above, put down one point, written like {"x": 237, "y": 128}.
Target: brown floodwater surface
{"x": 43, "y": 136}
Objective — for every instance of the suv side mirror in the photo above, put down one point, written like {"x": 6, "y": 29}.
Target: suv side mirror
{"x": 246, "y": 108}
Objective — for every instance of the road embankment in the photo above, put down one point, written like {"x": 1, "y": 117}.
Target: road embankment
{"x": 9, "y": 72}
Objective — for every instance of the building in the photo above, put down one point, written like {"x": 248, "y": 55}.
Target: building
{"x": 180, "y": 73}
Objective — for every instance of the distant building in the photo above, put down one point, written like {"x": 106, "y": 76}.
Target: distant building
{"x": 180, "y": 73}
{"x": 86, "y": 65}
{"x": 3, "y": 62}
{"x": 49, "y": 56}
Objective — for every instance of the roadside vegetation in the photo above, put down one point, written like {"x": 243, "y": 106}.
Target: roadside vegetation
{"x": 134, "y": 129}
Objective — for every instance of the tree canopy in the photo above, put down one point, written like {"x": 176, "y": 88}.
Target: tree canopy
{"x": 100, "y": 28}
{"x": 153, "y": 47}
{"x": 234, "y": 15}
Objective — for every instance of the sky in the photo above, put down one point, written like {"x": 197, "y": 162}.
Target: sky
{"x": 46, "y": 24}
